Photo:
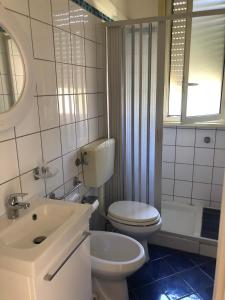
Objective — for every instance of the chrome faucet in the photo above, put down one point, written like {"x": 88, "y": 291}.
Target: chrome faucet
{"x": 13, "y": 205}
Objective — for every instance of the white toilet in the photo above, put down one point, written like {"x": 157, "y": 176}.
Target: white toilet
{"x": 135, "y": 219}
{"x": 113, "y": 257}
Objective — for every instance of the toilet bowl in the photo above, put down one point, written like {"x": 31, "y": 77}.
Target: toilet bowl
{"x": 113, "y": 257}
{"x": 136, "y": 219}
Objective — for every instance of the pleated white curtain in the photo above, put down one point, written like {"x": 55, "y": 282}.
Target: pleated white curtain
{"x": 136, "y": 55}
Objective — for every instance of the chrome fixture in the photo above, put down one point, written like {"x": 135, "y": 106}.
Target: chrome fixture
{"x": 76, "y": 184}
{"x": 13, "y": 205}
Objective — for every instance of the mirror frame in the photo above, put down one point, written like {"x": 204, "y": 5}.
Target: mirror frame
{"x": 11, "y": 117}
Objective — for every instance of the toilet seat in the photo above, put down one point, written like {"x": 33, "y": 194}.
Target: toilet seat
{"x": 133, "y": 213}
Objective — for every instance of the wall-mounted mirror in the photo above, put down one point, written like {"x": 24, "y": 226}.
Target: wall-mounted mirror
{"x": 12, "y": 75}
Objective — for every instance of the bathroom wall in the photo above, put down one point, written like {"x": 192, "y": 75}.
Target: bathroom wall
{"x": 193, "y": 170}
{"x": 68, "y": 105}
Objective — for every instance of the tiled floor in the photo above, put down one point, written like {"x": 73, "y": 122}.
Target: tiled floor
{"x": 172, "y": 275}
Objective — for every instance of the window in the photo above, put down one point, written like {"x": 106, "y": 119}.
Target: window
{"x": 197, "y": 52}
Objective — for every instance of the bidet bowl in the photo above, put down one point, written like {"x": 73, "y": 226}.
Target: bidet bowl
{"x": 115, "y": 256}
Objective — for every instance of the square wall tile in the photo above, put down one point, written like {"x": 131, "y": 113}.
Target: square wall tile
{"x": 34, "y": 188}
{"x": 66, "y": 109}
{"x": 183, "y": 189}
{"x": 102, "y": 104}
{"x": 62, "y": 46}
{"x": 60, "y": 14}
{"x": 101, "y": 80}
{"x": 46, "y": 77}
{"x": 64, "y": 73}
{"x": 167, "y": 186}
{"x": 29, "y": 152}
{"x": 220, "y": 139}
{"x": 166, "y": 198}
{"x": 18, "y": 6}
{"x": 168, "y": 153}
{"x": 201, "y": 191}
{"x": 90, "y": 22}
{"x": 218, "y": 175}
{"x": 8, "y": 161}
{"x": 216, "y": 193}
{"x": 53, "y": 183}
{"x": 30, "y": 122}
{"x": 101, "y": 56}
{"x": 76, "y": 18}
{"x": 182, "y": 200}
{"x": 51, "y": 144}
{"x": 204, "y": 156}
{"x": 201, "y": 134}
{"x": 219, "y": 159}
{"x": 80, "y": 107}
{"x": 41, "y": 10}
{"x": 42, "y": 40}
{"x": 82, "y": 133}
{"x": 100, "y": 31}
{"x": 90, "y": 53}
{"x": 7, "y": 134}
{"x": 93, "y": 129}
{"x": 68, "y": 136}
{"x": 92, "y": 105}
{"x": 183, "y": 172}
{"x": 184, "y": 154}
{"x": 79, "y": 80}
{"x": 78, "y": 50}
{"x": 202, "y": 174}
{"x": 185, "y": 137}
{"x": 69, "y": 168}
{"x": 48, "y": 110}
{"x": 91, "y": 80}
{"x": 169, "y": 136}
{"x": 102, "y": 126}
{"x": 168, "y": 170}
{"x": 10, "y": 187}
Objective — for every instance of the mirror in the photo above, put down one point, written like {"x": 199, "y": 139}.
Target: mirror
{"x": 12, "y": 75}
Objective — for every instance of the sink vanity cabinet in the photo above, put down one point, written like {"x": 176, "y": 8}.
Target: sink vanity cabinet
{"x": 59, "y": 268}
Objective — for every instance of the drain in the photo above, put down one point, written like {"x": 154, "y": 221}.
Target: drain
{"x": 39, "y": 239}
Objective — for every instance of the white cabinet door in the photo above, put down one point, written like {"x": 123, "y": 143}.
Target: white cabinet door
{"x": 73, "y": 279}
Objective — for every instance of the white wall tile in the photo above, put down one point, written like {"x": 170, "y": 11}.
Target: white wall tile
{"x": 93, "y": 129}
{"x": 8, "y": 161}
{"x": 91, "y": 80}
{"x": 79, "y": 80}
{"x": 33, "y": 187}
{"x": 7, "y": 134}
{"x": 66, "y": 109}
{"x": 183, "y": 172}
{"x": 48, "y": 109}
{"x": 216, "y": 193}
{"x": 90, "y": 53}
{"x": 46, "y": 77}
{"x": 169, "y": 136}
{"x": 101, "y": 80}
{"x": 90, "y": 22}
{"x": 82, "y": 133}
{"x": 30, "y": 123}
{"x": 18, "y": 6}
{"x": 182, "y": 200}
{"x": 219, "y": 159}
{"x": 201, "y": 203}
{"x": 76, "y": 18}
{"x": 167, "y": 186}
{"x": 182, "y": 189}
{"x": 42, "y": 32}
{"x": 102, "y": 126}
{"x": 60, "y": 14}
{"x": 204, "y": 156}
{"x": 185, "y": 155}
{"x": 220, "y": 139}
{"x": 100, "y": 56}
{"x": 80, "y": 107}
{"x": 41, "y": 10}
{"x": 201, "y": 134}
{"x": 53, "y": 182}
{"x": 78, "y": 52}
{"x": 64, "y": 73}
{"x": 12, "y": 186}
{"x": 51, "y": 144}
{"x": 218, "y": 175}
{"x": 185, "y": 137}
{"x": 68, "y": 136}
{"x": 100, "y": 32}
{"x": 92, "y": 105}
{"x": 69, "y": 167}
{"x": 29, "y": 152}
{"x": 202, "y": 174}
{"x": 168, "y": 170}
{"x": 62, "y": 43}
{"x": 168, "y": 153}
{"x": 201, "y": 191}
{"x": 166, "y": 198}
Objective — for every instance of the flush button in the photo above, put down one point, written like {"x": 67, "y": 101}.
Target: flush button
{"x": 207, "y": 139}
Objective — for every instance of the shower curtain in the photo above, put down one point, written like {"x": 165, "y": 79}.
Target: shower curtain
{"x": 136, "y": 56}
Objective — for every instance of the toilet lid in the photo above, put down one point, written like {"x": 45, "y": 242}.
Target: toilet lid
{"x": 134, "y": 212}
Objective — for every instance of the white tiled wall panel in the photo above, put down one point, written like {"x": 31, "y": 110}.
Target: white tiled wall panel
{"x": 193, "y": 167}
{"x": 68, "y": 108}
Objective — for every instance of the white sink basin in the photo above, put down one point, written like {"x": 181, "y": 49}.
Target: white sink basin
{"x": 58, "y": 221}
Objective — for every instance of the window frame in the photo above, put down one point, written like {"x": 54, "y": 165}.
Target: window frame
{"x": 183, "y": 118}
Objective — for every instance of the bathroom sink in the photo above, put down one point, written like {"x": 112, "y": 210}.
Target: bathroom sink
{"x": 48, "y": 225}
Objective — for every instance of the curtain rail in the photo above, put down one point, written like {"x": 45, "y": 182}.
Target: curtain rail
{"x": 195, "y": 14}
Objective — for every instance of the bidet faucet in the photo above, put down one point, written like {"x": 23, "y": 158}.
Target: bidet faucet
{"x": 13, "y": 205}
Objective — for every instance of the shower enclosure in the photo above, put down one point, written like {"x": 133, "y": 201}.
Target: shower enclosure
{"x": 153, "y": 75}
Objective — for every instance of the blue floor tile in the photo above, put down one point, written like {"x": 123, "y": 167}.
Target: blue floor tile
{"x": 207, "y": 293}
{"x": 209, "y": 269}
{"x": 179, "y": 262}
{"x": 199, "y": 259}
{"x": 192, "y": 297}
{"x": 198, "y": 280}
{"x": 156, "y": 252}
